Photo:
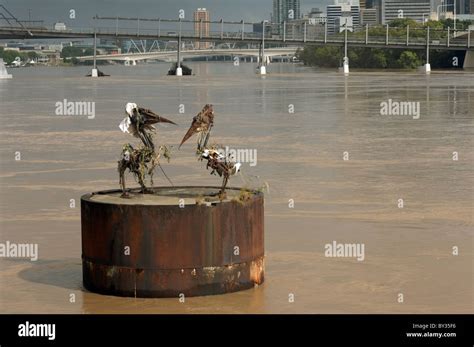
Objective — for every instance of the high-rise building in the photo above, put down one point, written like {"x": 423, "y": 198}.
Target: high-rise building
{"x": 471, "y": 7}
{"x": 377, "y": 6}
{"x": 462, "y": 6}
{"x": 201, "y": 27}
{"x": 285, "y": 10}
{"x": 362, "y": 4}
{"x": 337, "y": 15}
{"x": 418, "y": 10}
{"x": 315, "y": 13}
{"x": 370, "y": 4}
{"x": 369, "y": 16}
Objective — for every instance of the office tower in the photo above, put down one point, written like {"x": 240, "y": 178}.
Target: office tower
{"x": 418, "y": 10}
{"x": 462, "y": 6}
{"x": 285, "y": 10}
{"x": 337, "y": 15}
{"x": 369, "y": 16}
{"x": 201, "y": 27}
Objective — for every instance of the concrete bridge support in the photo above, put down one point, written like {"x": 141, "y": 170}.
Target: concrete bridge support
{"x": 345, "y": 67}
{"x": 427, "y": 67}
{"x": 262, "y": 69}
{"x": 179, "y": 69}
{"x": 345, "y": 64}
{"x": 469, "y": 60}
{"x": 95, "y": 71}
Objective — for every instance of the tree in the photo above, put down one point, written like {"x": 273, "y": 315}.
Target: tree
{"x": 409, "y": 60}
{"x": 403, "y": 23}
{"x": 327, "y": 56}
{"x": 32, "y": 55}
{"x": 73, "y": 51}
{"x": 9, "y": 56}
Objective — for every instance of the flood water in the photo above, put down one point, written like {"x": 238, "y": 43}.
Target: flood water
{"x": 335, "y": 166}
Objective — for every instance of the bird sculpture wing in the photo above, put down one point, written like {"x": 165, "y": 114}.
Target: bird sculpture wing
{"x": 151, "y": 117}
{"x": 127, "y": 126}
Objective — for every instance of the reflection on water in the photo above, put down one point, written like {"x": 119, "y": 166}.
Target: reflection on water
{"x": 300, "y": 156}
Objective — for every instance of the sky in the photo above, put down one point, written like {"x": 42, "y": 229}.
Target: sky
{"x": 52, "y": 11}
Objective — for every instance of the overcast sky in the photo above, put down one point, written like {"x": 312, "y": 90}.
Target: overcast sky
{"x": 52, "y": 11}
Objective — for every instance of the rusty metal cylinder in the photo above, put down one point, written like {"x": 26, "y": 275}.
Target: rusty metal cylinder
{"x": 172, "y": 242}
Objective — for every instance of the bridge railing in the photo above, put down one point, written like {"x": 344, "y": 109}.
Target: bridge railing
{"x": 396, "y": 36}
{"x": 298, "y": 32}
{"x": 286, "y": 31}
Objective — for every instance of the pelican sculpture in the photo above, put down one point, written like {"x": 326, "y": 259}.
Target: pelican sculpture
{"x": 143, "y": 160}
{"x": 220, "y": 165}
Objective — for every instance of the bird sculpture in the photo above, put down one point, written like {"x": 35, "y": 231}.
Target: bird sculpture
{"x": 202, "y": 125}
{"x": 141, "y": 161}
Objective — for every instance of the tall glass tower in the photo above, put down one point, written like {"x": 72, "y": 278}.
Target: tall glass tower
{"x": 284, "y": 10}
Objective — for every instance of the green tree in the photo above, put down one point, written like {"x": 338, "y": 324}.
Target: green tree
{"x": 9, "y": 56}
{"x": 72, "y": 51}
{"x": 327, "y": 56}
{"x": 409, "y": 60}
{"x": 32, "y": 55}
{"x": 403, "y": 23}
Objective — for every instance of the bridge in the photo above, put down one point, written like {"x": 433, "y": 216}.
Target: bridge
{"x": 171, "y": 54}
{"x": 414, "y": 39}
{"x": 289, "y": 34}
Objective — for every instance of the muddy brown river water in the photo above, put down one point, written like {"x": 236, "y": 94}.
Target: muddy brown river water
{"x": 338, "y": 170}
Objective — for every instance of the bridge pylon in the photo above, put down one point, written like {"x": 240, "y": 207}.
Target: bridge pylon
{"x": 179, "y": 69}
{"x": 262, "y": 69}
{"x": 427, "y": 67}
{"x": 345, "y": 63}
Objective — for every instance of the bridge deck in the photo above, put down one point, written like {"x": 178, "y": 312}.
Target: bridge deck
{"x": 464, "y": 42}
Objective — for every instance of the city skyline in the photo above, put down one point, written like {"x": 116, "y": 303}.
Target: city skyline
{"x": 52, "y": 11}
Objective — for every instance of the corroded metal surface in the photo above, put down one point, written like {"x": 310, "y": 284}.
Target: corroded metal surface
{"x": 154, "y": 250}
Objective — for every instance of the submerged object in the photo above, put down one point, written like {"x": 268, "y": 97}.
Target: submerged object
{"x": 177, "y": 242}
{"x": 99, "y": 74}
{"x": 186, "y": 70}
